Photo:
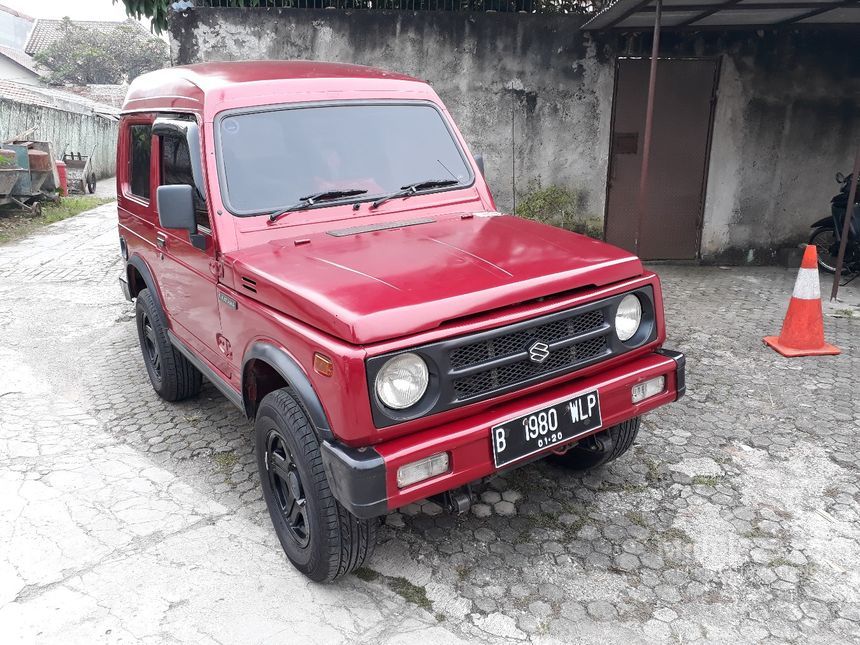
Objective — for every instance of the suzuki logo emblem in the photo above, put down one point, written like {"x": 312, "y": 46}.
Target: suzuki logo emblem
{"x": 538, "y": 352}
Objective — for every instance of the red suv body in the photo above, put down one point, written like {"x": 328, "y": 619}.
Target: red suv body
{"x": 302, "y": 225}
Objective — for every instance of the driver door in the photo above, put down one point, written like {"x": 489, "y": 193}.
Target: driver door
{"x": 188, "y": 275}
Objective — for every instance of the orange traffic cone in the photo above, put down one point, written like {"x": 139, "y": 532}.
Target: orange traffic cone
{"x": 803, "y": 329}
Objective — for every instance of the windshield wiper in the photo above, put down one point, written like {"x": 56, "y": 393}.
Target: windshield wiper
{"x": 310, "y": 200}
{"x": 413, "y": 189}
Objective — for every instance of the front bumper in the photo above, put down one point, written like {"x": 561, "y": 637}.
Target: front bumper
{"x": 364, "y": 480}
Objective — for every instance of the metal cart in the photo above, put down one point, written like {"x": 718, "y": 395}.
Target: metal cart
{"x": 79, "y": 172}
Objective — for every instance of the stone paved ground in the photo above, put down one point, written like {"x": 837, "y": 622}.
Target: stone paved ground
{"x": 124, "y": 518}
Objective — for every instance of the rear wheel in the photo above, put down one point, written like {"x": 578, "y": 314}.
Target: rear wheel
{"x": 173, "y": 377}
{"x": 320, "y": 537}
{"x": 824, "y": 239}
{"x": 600, "y": 448}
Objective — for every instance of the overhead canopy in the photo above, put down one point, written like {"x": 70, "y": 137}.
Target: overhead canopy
{"x": 636, "y": 15}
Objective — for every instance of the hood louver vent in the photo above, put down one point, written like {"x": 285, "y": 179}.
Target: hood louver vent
{"x": 250, "y": 285}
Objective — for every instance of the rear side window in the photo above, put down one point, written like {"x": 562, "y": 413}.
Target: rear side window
{"x": 141, "y": 145}
{"x": 175, "y": 165}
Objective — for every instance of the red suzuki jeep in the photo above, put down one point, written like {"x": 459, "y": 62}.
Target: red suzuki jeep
{"x": 318, "y": 242}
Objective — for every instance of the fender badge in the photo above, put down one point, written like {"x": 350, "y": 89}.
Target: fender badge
{"x": 227, "y": 300}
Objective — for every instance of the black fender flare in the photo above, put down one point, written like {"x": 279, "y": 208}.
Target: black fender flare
{"x": 826, "y": 222}
{"x": 143, "y": 269}
{"x": 294, "y": 375}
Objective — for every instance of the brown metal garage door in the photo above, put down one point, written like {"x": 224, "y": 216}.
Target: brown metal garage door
{"x": 680, "y": 144}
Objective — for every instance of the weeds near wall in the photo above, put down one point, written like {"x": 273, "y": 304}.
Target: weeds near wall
{"x": 559, "y": 206}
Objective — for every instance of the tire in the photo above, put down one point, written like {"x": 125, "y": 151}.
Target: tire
{"x": 91, "y": 184}
{"x": 173, "y": 377}
{"x": 320, "y": 537}
{"x": 600, "y": 448}
{"x": 824, "y": 239}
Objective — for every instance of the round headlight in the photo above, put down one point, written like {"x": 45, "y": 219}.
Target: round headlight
{"x": 402, "y": 381}
{"x": 628, "y": 317}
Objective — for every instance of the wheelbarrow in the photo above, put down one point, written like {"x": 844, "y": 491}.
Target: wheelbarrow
{"x": 79, "y": 172}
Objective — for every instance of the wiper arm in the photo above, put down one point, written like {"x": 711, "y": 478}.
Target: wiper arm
{"x": 310, "y": 200}
{"x": 413, "y": 189}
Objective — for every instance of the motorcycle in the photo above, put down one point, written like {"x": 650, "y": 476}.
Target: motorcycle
{"x": 827, "y": 232}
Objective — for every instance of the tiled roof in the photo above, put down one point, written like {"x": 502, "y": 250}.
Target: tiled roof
{"x": 113, "y": 95}
{"x": 19, "y": 57}
{"x": 49, "y": 97}
{"x": 46, "y": 32}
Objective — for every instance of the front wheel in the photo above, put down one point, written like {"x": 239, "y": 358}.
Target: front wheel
{"x": 824, "y": 239}
{"x": 320, "y": 537}
{"x": 600, "y": 448}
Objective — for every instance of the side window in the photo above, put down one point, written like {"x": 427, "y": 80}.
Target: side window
{"x": 176, "y": 169}
{"x": 141, "y": 144}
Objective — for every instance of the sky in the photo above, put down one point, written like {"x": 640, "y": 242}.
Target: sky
{"x": 75, "y": 9}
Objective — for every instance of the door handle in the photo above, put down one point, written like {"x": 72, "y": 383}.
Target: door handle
{"x": 161, "y": 240}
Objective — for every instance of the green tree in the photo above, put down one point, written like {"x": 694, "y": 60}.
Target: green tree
{"x": 82, "y": 55}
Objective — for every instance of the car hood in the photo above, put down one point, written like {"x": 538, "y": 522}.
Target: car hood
{"x": 365, "y": 286}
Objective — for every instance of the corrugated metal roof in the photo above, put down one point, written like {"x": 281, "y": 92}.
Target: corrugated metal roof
{"x": 46, "y": 32}
{"x": 638, "y": 15}
{"x": 49, "y": 97}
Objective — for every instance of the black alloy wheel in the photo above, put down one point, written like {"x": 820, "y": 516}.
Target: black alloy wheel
{"x": 286, "y": 483}
{"x": 150, "y": 346}
{"x": 319, "y": 536}
{"x": 172, "y": 375}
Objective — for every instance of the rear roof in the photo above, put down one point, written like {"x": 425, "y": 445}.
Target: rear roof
{"x": 186, "y": 87}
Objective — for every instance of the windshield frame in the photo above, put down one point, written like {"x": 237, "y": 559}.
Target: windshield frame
{"x": 358, "y": 199}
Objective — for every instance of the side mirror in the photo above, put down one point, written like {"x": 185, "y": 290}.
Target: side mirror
{"x": 479, "y": 161}
{"x": 840, "y": 178}
{"x": 176, "y": 210}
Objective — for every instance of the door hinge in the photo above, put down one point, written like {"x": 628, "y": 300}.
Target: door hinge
{"x": 216, "y": 268}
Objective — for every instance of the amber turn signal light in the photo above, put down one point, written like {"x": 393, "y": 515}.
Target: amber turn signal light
{"x": 323, "y": 364}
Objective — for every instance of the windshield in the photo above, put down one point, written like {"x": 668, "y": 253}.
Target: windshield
{"x": 273, "y": 159}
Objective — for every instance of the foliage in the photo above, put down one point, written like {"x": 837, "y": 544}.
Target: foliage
{"x": 158, "y": 10}
{"x": 154, "y": 9}
{"x": 558, "y": 206}
{"x": 83, "y": 55}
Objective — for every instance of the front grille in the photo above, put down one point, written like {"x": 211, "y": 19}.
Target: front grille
{"x": 514, "y": 346}
{"x": 479, "y": 366}
{"x": 517, "y": 342}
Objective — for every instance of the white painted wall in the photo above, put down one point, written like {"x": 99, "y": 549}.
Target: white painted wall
{"x": 12, "y": 71}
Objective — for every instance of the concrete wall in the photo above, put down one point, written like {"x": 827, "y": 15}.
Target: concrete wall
{"x": 76, "y": 132}
{"x": 786, "y": 117}
{"x": 526, "y": 90}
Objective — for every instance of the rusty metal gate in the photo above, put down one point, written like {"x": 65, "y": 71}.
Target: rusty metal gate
{"x": 683, "y": 117}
